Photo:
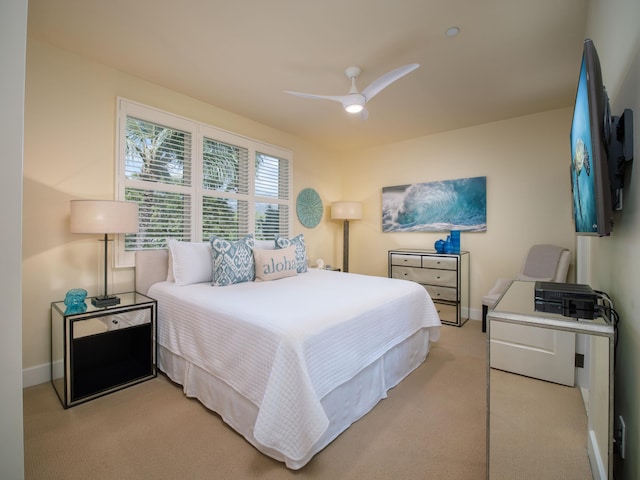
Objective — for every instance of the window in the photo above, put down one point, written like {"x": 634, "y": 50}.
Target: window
{"x": 192, "y": 181}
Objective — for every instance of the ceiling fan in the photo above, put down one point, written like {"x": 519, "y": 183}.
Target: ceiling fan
{"x": 354, "y": 101}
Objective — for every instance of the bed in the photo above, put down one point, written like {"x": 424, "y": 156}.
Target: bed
{"x": 290, "y": 363}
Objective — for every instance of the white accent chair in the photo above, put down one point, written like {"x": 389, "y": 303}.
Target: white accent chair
{"x": 546, "y": 263}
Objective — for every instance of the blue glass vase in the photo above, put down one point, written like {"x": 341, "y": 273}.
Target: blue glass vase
{"x": 448, "y": 245}
{"x": 74, "y": 301}
{"x": 455, "y": 241}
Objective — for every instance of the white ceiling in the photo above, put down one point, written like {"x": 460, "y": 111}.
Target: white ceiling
{"x": 511, "y": 57}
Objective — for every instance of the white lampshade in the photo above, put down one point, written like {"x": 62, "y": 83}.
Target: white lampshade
{"x": 346, "y": 210}
{"x": 103, "y": 216}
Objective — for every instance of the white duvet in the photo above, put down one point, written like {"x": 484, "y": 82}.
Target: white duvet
{"x": 284, "y": 344}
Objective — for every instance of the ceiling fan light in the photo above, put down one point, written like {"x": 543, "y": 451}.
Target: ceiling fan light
{"x": 353, "y": 103}
{"x": 353, "y": 108}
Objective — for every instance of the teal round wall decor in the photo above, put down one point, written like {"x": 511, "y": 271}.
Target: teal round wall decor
{"x": 309, "y": 208}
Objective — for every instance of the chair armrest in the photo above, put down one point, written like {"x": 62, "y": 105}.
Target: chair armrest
{"x": 500, "y": 286}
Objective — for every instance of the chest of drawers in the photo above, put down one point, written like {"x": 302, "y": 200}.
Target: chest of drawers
{"x": 444, "y": 275}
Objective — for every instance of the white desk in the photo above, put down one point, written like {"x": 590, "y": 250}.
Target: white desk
{"x": 517, "y": 307}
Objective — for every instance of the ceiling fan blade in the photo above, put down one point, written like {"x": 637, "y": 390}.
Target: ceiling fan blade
{"x": 387, "y": 79}
{"x": 335, "y": 98}
{"x": 347, "y": 101}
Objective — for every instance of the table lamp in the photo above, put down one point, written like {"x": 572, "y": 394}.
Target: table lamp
{"x": 104, "y": 217}
{"x": 346, "y": 211}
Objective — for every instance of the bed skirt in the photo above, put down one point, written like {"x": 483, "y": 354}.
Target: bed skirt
{"x": 343, "y": 406}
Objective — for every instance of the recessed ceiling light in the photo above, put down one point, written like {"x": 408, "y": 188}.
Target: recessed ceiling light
{"x": 453, "y": 31}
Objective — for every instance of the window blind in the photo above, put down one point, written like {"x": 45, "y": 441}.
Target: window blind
{"x": 192, "y": 181}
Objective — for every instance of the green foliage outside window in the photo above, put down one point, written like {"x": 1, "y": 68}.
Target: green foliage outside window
{"x": 158, "y": 176}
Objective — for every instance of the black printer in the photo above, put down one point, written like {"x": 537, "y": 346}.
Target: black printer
{"x": 568, "y": 299}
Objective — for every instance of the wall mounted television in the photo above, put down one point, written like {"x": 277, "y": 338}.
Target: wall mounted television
{"x": 601, "y": 145}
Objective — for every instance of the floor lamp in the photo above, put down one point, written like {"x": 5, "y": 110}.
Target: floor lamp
{"x": 104, "y": 217}
{"x": 346, "y": 211}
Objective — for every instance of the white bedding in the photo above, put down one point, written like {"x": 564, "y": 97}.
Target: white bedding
{"x": 287, "y": 343}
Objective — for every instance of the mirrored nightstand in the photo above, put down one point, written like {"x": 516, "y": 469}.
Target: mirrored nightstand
{"x": 96, "y": 351}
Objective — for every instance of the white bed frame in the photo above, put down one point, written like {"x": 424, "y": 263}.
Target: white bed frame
{"x": 343, "y": 406}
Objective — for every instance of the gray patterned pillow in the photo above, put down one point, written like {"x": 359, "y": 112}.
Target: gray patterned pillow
{"x": 301, "y": 250}
{"x": 232, "y": 261}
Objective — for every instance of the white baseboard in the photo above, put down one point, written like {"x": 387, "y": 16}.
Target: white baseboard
{"x": 584, "y": 392}
{"x": 598, "y": 468}
{"x": 473, "y": 313}
{"x": 40, "y": 374}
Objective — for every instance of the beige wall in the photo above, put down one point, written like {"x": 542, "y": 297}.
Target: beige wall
{"x": 69, "y": 153}
{"x": 613, "y": 263}
{"x": 526, "y": 162}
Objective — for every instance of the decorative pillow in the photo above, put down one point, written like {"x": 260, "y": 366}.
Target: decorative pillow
{"x": 301, "y": 250}
{"x": 190, "y": 262}
{"x": 232, "y": 261}
{"x": 274, "y": 264}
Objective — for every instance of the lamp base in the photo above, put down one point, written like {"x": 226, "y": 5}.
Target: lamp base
{"x": 105, "y": 301}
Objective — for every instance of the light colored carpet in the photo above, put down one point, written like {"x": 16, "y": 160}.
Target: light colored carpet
{"x": 432, "y": 426}
{"x": 538, "y": 430}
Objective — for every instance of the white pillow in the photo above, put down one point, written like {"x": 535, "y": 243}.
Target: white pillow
{"x": 264, "y": 244}
{"x": 170, "y": 277}
{"x": 190, "y": 261}
{"x": 275, "y": 264}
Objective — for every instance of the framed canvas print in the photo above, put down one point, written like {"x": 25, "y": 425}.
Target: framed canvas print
{"x": 459, "y": 204}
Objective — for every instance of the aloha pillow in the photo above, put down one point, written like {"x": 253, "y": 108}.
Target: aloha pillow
{"x": 301, "y": 250}
{"x": 274, "y": 264}
{"x": 189, "y": 262}
{"x": 232, "y": 261}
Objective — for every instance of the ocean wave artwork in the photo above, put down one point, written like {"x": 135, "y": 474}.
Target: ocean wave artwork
{"x": 459, "y": 204}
